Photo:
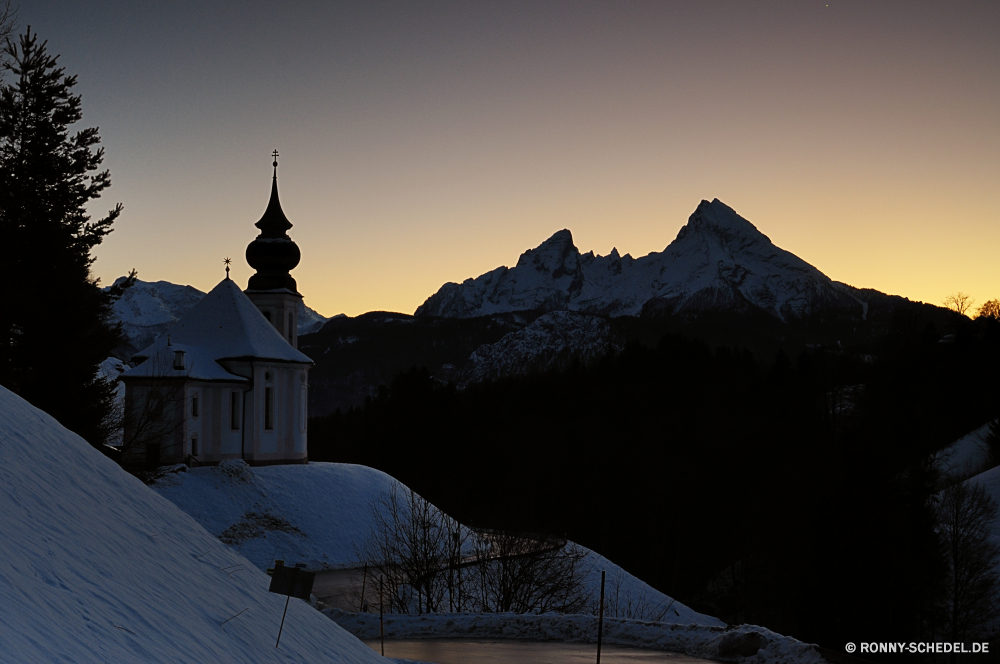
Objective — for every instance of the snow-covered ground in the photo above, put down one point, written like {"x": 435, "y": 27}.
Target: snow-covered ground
{"x": 739, "y": 643}
{"x": 95, "y": 567}
{"x": 325, "y": 503}
{"x": 966, "y": 456}
{"x": 318, "y": 514}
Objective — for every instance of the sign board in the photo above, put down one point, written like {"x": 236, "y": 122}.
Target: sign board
{"x": 292, "y": 581}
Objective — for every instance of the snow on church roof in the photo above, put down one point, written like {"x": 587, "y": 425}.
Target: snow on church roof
{"x": 197, "y": 365}
{"x": 225, "y": 324}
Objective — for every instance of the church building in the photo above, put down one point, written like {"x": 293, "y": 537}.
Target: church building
{"x": 227, "y": 381}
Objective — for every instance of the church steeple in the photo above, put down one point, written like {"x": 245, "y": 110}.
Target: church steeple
{"x": 273, "y": 253}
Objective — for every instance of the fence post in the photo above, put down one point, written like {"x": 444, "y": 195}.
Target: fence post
{"x": 282, "y": 621}
{"x": 600, "y": 620}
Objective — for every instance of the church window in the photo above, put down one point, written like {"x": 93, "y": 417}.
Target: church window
{"x": 303, "y": 401}
{"x": 179, "y": 360}
{"x": 194, "y": 447}
{"x": 268, "y": 407}
{"x": 289, "y": 328}
{"x": 234, "y": 410}
{"x": 267, "y": 315}
{"x": 194, "y": 406}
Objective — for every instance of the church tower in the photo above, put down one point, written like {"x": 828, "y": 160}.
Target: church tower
{"x": 272, "y": 254}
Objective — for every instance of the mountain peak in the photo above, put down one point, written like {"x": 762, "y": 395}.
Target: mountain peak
{"x": 560, "y": 238}
{"x": 558, "y": 254}
{"x": 719, "y": 260}
{"x": 719, "y": 219}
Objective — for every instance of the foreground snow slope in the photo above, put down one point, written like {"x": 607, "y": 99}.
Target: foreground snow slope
{"x": 326, "y": 509}
{"x": 326, "y": 502}
{"x": 95, "y": 567}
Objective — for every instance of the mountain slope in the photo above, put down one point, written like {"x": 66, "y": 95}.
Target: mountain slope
{"x": 99, "y": 568}
{"x": 719, "y": 260}
{"x": 548, "y": 342}
{"x": 147, "y": 308}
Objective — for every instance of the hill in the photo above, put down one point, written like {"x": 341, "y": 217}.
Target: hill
{"x": 98, "y": 568}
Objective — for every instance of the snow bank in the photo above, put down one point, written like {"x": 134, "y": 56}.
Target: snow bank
{"x": 325, "y": 503}
{"x": 966, "y": 456}
{"x": 741, "y": 643}
{"x": 95, "y": 567}
{"x": 318, "y": 513}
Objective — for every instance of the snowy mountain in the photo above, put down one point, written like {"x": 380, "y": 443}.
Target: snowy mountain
{"x": 99, "y": 568}
{"x": 719, "y": 260}
{"x": 146, "y": 309}
{"x": 546, "y": 343}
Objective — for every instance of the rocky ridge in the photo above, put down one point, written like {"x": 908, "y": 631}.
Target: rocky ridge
{"x": 718, "y": 260}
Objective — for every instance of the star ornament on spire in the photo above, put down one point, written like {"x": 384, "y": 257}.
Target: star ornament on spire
{"x": 227, "y": 261}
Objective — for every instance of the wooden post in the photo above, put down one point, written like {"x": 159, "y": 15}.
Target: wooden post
{"x": 600, "y": 620}
{"x": 381, "y": 629}
{"x": 282, "y": 621}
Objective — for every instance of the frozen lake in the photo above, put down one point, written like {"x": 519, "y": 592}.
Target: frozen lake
{"x": 492, "y": 651}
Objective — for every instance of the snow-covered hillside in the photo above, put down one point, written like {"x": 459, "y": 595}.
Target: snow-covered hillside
{"x": 325, "y": 503}
{"x": 543, "y": 344}
{"x": 146, "y": 309}
{"x": 718, "y": 260}
{"x": 318, "y": 513}
{"x": 966, "y": 456}
{"x": 96, "y": 567}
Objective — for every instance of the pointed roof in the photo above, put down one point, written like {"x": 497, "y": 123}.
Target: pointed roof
{"x": 272, "y": 253}
{"x": 224, "y": 325}
{"x": 274, "y": 223}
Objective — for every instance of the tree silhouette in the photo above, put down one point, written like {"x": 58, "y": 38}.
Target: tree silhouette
{"x": 959, "y": 302}
{"x": 972, "y": 593}
{"x": 989, "y": 309}
{"x": 54, "y": 329}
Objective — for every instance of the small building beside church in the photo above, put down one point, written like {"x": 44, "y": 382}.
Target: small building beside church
{"x": 227, "y": 381}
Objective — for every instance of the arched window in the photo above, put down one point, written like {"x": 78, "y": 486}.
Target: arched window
{"x": 268, "y": 403}
{"x": 303, "y": 401}
{"x": 290, "y": 328}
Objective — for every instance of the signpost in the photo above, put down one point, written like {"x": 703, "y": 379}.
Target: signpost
{"x": 291, "y": 582}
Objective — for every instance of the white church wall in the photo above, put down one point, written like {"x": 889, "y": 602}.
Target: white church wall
{"x": 285, "y": 439}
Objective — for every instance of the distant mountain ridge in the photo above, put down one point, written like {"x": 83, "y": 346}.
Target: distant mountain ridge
{"x": 147, "y": 309}
{"x": 718, "y": 261}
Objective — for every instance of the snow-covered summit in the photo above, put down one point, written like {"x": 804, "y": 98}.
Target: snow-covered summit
{"x": 718, "y": 260}
{"x": 147, "y": 308}
{"x": 99, "y": 568}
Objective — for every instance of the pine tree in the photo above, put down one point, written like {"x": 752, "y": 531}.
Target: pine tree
{"x": 54, "y": 326}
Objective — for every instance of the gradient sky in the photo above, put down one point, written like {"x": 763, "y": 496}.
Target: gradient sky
{"x": 426, "y": 142}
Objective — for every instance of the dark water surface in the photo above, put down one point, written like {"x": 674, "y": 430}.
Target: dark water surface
{"x": 494, "y": 651}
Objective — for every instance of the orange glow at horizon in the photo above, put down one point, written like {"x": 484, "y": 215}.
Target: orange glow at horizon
{"x": 422, "y": 146}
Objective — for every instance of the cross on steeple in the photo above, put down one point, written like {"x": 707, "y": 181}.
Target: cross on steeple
{"x": 275, "y": 163}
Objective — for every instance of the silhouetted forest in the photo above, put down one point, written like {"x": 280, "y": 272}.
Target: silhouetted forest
{"x": 792, "y": 494}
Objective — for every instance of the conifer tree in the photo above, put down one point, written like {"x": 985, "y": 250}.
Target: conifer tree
{"x": 54, "y": 326}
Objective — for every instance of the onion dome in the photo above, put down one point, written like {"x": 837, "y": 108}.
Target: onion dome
{"x": 273, "y": 253}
